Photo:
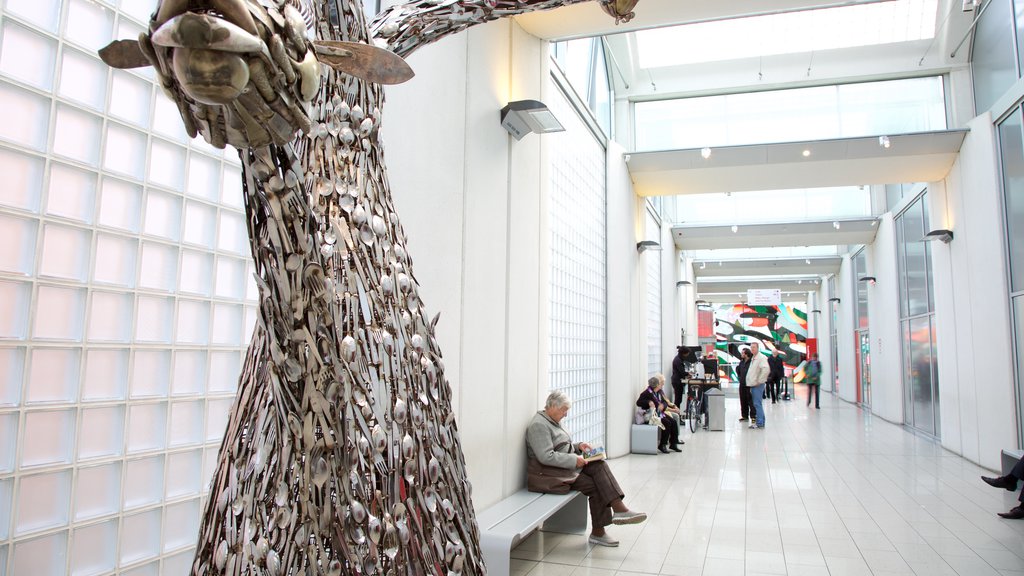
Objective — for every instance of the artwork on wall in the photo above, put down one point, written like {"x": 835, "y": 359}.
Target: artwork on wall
{"x": 782, "y": 327}
{"x": 342, "y": 454}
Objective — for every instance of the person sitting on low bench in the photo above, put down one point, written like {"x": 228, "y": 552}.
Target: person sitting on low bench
{"x": 1009, "y": 482}
{"x": 555, "y": 466}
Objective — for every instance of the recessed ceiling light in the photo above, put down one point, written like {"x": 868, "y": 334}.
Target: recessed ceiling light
{"x": 705, "y": 152}
{"x": 806, "y": 153}
{"x": 735, "y": 228}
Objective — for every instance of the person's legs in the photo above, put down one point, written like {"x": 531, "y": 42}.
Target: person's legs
{"x": 756, "y": 394}
{"x": 817, "y": 396}
{"x": 605, "y": 498}
{"x": 672, "y": 429}
{"x": 677, "y": 392}
{"x": 744, "y": 402}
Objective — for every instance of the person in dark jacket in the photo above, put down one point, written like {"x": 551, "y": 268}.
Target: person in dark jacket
{"x": 678, "y": 375}
{"x": 776, "y": 371}
{"x": 653, "y": 399}
{"x": 741, "y": 373}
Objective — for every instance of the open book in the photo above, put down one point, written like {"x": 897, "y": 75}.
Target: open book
{"x": 595, "y": 453}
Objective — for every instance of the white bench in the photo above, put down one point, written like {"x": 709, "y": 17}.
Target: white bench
{"x": 508, "y": 522}
{"x": 1010, "y": 459}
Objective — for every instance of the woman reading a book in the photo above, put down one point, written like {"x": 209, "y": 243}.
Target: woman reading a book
{"x": 556, "y": 465}
{"x": 653, "y": 399}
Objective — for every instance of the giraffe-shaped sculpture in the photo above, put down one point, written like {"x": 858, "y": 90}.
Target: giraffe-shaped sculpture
{"x": 341, "y": 453}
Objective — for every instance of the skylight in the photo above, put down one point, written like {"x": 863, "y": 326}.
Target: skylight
{"x": 788, "y": 33}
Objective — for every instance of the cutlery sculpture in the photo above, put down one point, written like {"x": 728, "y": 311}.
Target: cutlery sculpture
{"x": 341, "y": 453}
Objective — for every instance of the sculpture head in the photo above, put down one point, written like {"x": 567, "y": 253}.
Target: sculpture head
{"x": 243, "y": 72}
{"x": 621, "y": 10}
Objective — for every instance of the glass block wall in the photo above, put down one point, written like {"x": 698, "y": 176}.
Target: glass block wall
{"x": 576, "y": 216}
{"x": 125, "y": 301}
{"x": 652, "y": 268}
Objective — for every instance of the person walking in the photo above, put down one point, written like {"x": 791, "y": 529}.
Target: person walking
{"x": 813, "y": 371}
{"x": 757, "y": 377}
{"x": 741, "y": 375}
{"x": 777, "y": 370}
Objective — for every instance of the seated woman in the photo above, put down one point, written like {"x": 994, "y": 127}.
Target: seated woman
{"x": 554, "y": 465}
{"x": 653, "y": 398}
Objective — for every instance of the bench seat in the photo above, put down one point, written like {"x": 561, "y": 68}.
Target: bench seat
{"x": 510, "y": 521}
{"x": 1010, "y": 459}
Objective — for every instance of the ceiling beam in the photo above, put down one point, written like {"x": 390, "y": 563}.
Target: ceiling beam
{"x": 918, "y": 157}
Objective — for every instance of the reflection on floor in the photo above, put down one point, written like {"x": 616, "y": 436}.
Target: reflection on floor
{"x": 817, "y": 492}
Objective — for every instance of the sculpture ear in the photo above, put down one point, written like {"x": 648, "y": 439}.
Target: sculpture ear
{"x": 363, "y": 61}
{"x": 124, "y": 54}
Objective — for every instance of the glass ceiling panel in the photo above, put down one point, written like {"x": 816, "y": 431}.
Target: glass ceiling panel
{"x": 788, "y": 33}
{"x": 815, "y": 113}
{"x": 795, "y": 205}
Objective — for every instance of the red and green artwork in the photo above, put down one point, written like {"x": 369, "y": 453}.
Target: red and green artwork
{"x": 782, "y": 327}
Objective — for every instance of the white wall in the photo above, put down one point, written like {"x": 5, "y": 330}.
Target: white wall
{"x": 824, "y": 324}
{"x": 846, "y": 344}
{"x": 671, "y": 272}
{"x": 972, "y": 305}
{"x": 883, "y": 319}
{"x": 627, "y": 352}
{"x": 472, "y": 201}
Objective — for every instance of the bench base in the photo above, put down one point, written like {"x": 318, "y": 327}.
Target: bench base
{"x": 1010, "y": 459}
{"x": 643, "y": 439}
{"x": 510, "y": 521}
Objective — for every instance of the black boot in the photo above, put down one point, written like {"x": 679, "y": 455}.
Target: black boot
{"x": 1014, "y": 513}
{"x": 663, "y": 449}
{"x": 1007, "y": 482}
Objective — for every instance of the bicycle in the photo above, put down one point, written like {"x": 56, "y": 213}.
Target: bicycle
{"x": 693, "y": 411}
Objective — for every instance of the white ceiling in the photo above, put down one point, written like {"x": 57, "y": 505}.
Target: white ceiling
{"x": 788, "y": 267}
{"x": 820, "y": 233}
{"x": 587, "y": 19}
{"x": 844, "y": 162}
{"x": 925, "y": 157}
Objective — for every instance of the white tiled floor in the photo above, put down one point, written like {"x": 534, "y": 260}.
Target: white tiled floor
{"x": 828, "y": 492}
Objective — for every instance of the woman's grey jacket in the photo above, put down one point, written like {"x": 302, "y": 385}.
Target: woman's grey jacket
{"x": 549, "y": 443}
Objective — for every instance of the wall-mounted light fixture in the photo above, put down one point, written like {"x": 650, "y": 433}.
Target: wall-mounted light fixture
{"x": 944, "y": 235}
{"x": 869, "y": 279}
{"x": 702, "y": 303}
{"x": 683, "y": 283}
{"x": 645, "y": 245}
{"x": 883, "y": 141}
{"x": 524, "y": 116}
{"x": 834, "y": 299}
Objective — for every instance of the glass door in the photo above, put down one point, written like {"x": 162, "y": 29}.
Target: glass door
{"x": 917, "y": 318}
{"x": 864, "y": 366}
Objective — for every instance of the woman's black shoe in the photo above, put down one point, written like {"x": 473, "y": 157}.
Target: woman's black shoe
{"x": 1014, "y": 513}
{"x": 663, "y": 450}
{"x": 675, "y": 448}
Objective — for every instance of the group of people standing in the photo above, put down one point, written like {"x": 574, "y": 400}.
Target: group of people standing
{"x": 759, "y": 378}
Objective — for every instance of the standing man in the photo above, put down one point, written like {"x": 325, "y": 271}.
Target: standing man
{"x": 776, "y": 372}
{"x": 813, "y": 372}
{"x": 757, "y": 376}
{"x": 678, "y": 374}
